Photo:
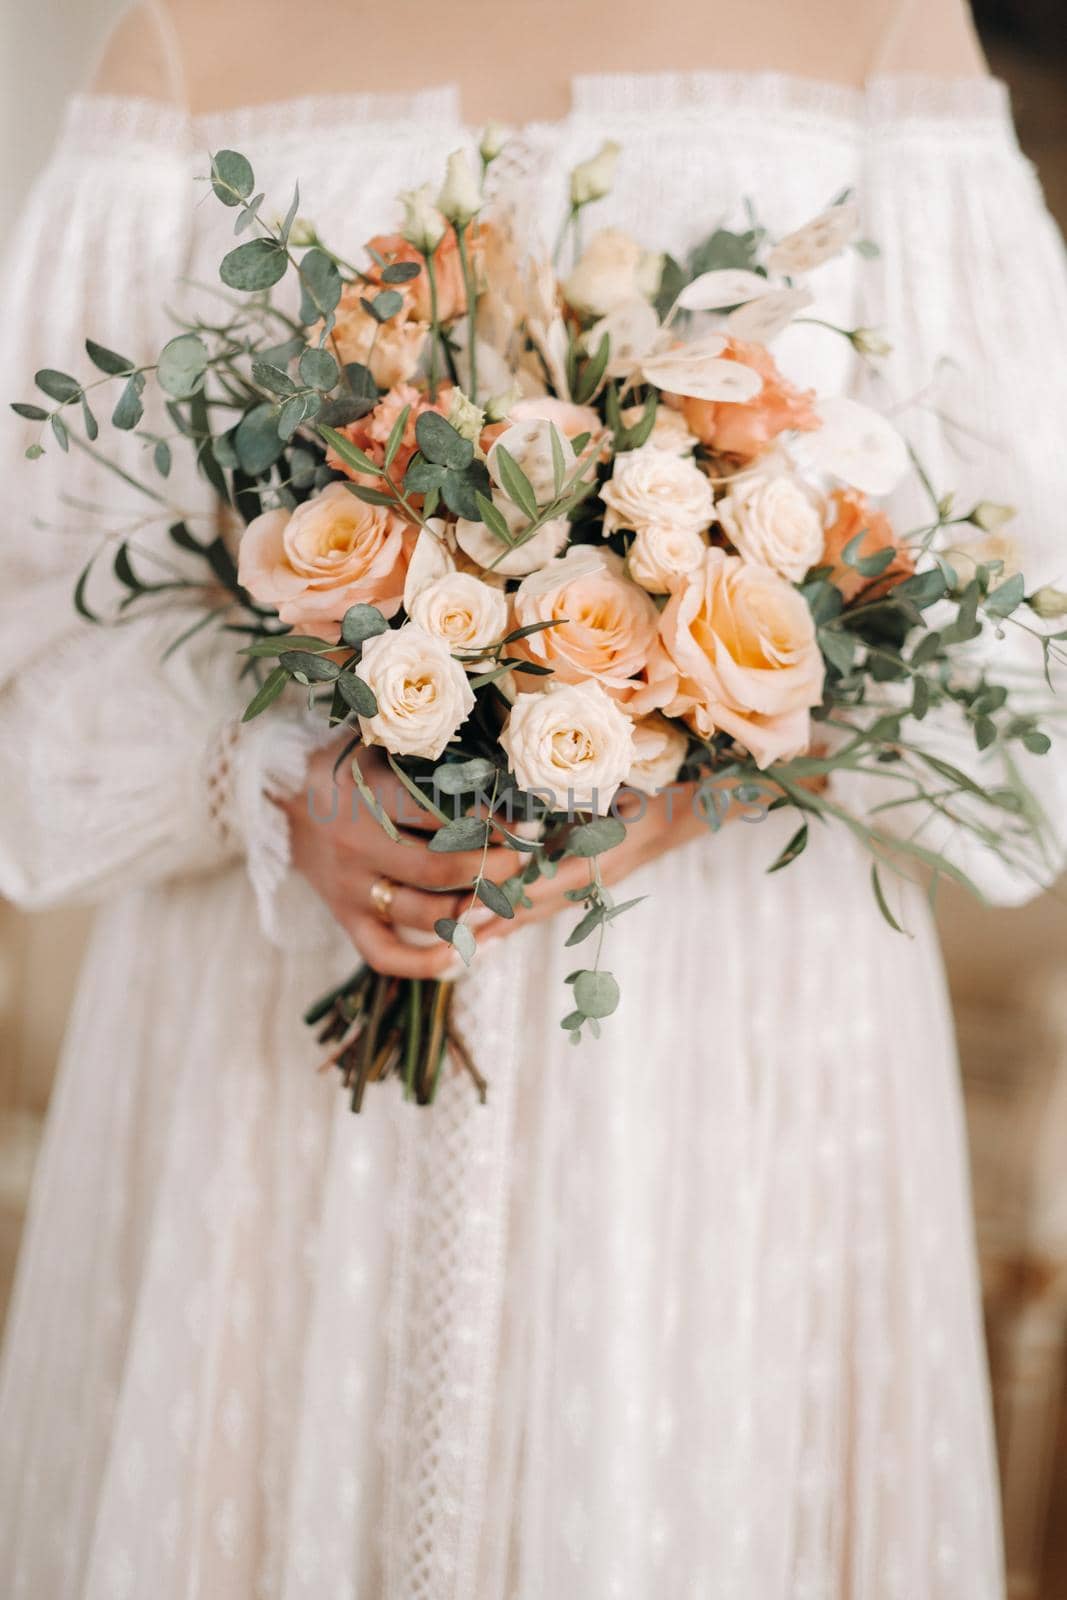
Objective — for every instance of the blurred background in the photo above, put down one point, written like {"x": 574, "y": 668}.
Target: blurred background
{"x": 1006, "y": 968}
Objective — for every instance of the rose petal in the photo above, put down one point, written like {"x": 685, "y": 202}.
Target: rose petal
{"x": 430, "y": 559}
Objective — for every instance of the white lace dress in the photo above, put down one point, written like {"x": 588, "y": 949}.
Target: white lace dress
{"x": 691, "y": 1313}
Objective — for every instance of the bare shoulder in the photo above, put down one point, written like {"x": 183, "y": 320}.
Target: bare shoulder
{"x": 137, "y": 58}
{"x": 938, "y": 38}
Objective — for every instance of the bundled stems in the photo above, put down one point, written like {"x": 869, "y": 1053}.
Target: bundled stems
{"x": 380, "y": 1026}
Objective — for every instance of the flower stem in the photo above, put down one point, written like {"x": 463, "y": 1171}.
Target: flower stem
{"x": 435, "y": 327}
{"x": 472, "y": 312}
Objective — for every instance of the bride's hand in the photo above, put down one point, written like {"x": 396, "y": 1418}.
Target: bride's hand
{"x": 660, "y": 824}
{"x": 343, "y": 851}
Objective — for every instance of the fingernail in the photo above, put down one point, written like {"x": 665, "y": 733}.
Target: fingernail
{"x": 416, "y": 936}
{"x": 481, "y": 917}
{"x": 456, "y": 968}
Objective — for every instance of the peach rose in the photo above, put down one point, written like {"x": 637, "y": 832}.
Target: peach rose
{"x": 853, "y": 514}
{"x": 659, "y": 750}
{"x": 332, "y": 552}
{"x": 448, "y": 272}
{"x": 391, "y": 349}
{"x": 749, "y": 665}
{"x": 371, "y": 433}
{"x": 604, "y": 625}
{"x": 745, "y": 429}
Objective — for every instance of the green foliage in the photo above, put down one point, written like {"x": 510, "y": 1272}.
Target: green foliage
{"x": 259, "y": 264}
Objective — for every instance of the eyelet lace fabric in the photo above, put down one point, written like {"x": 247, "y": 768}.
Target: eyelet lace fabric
{"x": 691, "y": 1311}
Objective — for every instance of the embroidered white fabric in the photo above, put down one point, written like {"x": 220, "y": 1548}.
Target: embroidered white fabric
{"x": 691, "y": 1312}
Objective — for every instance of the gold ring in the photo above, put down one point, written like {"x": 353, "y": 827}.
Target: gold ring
{"x": 381, "y": 899}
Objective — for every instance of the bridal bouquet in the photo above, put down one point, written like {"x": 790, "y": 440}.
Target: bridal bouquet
{"x": 558, "y": 535}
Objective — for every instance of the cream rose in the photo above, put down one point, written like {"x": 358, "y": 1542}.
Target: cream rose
{"x": 660, "y": 557}
{"x": 332, "y": 552}
{"x": 571, "y": 741}
{"x": 459, "y": 608}
{"x": 659, "y": 750}
{"x": 774, "y": 520}
{"x": 743, "y": 642}
{"x": 423, "y": 695}
{"x": 603, "y": 626}
{"x": 613, "y": 269}
{"x": 651, "y": 488}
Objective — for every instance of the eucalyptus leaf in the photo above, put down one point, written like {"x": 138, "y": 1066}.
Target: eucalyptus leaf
{"x": 31, "y": 413}
{"x": 232, "y": 177}
{"x": 130, "y": 410}
{"x": 57, "y": 385}
{"x": 256, "y": 440}
{"x": 295, "y": 411}
{"x": 361, "y": 622}
{"x": 463, "y": 490}
{"x": 320, "y": 285}
{"x": 259, "y": 264}
{"x": 357, "y": 695}
{"x": 401, "y": 272}
{"x": 272, "y": 378}
{"x": 318, "y": 369}
{"x": 463, "y": 833}
{"x": 593, "y": 838}
{"x": 596, "y": 994}
{"x": 464, "y": 777}
{"x": 316, "y": 668}
{"x": 439, "y": 441}
{"x": 384, "y": 306}
{"x": 182, "y": 364}
{"x": 493, "y": 896}
{"x": 106, "y": 360}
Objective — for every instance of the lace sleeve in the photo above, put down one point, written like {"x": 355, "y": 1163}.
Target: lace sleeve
{"x": 972, "y": 289}
{"x": 120, "y": 763}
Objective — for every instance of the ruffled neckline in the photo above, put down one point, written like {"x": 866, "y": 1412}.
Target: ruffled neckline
{"x": 914, "y": 102}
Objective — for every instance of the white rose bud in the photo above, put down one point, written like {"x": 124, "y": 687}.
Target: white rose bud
{"x": 423, "y": 695}
{"x": 571, "y": 742}
{"x": 870, "y": 342}
{"x": 1048, "y": 603}
{"x": 652, "y": 488}
{"x": 494, "y": 137}
{"x": 468, "y": 614}
{"x": 592, "y": 179}
{"x": 467, "y": 418}
{"x": 989, "y": 516}
{"x": 774, "y": 521}
{"x": 461, "y": 194}
{"x": 424, "y": 226}
{"x": 660, "y": 557}
{"x": 659, "y": 749}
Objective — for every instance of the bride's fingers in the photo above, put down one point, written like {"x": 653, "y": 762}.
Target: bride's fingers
{"x": 414, "y": 908}
{"x": 388, "y": 954}
{"x": 412, "y": 862}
